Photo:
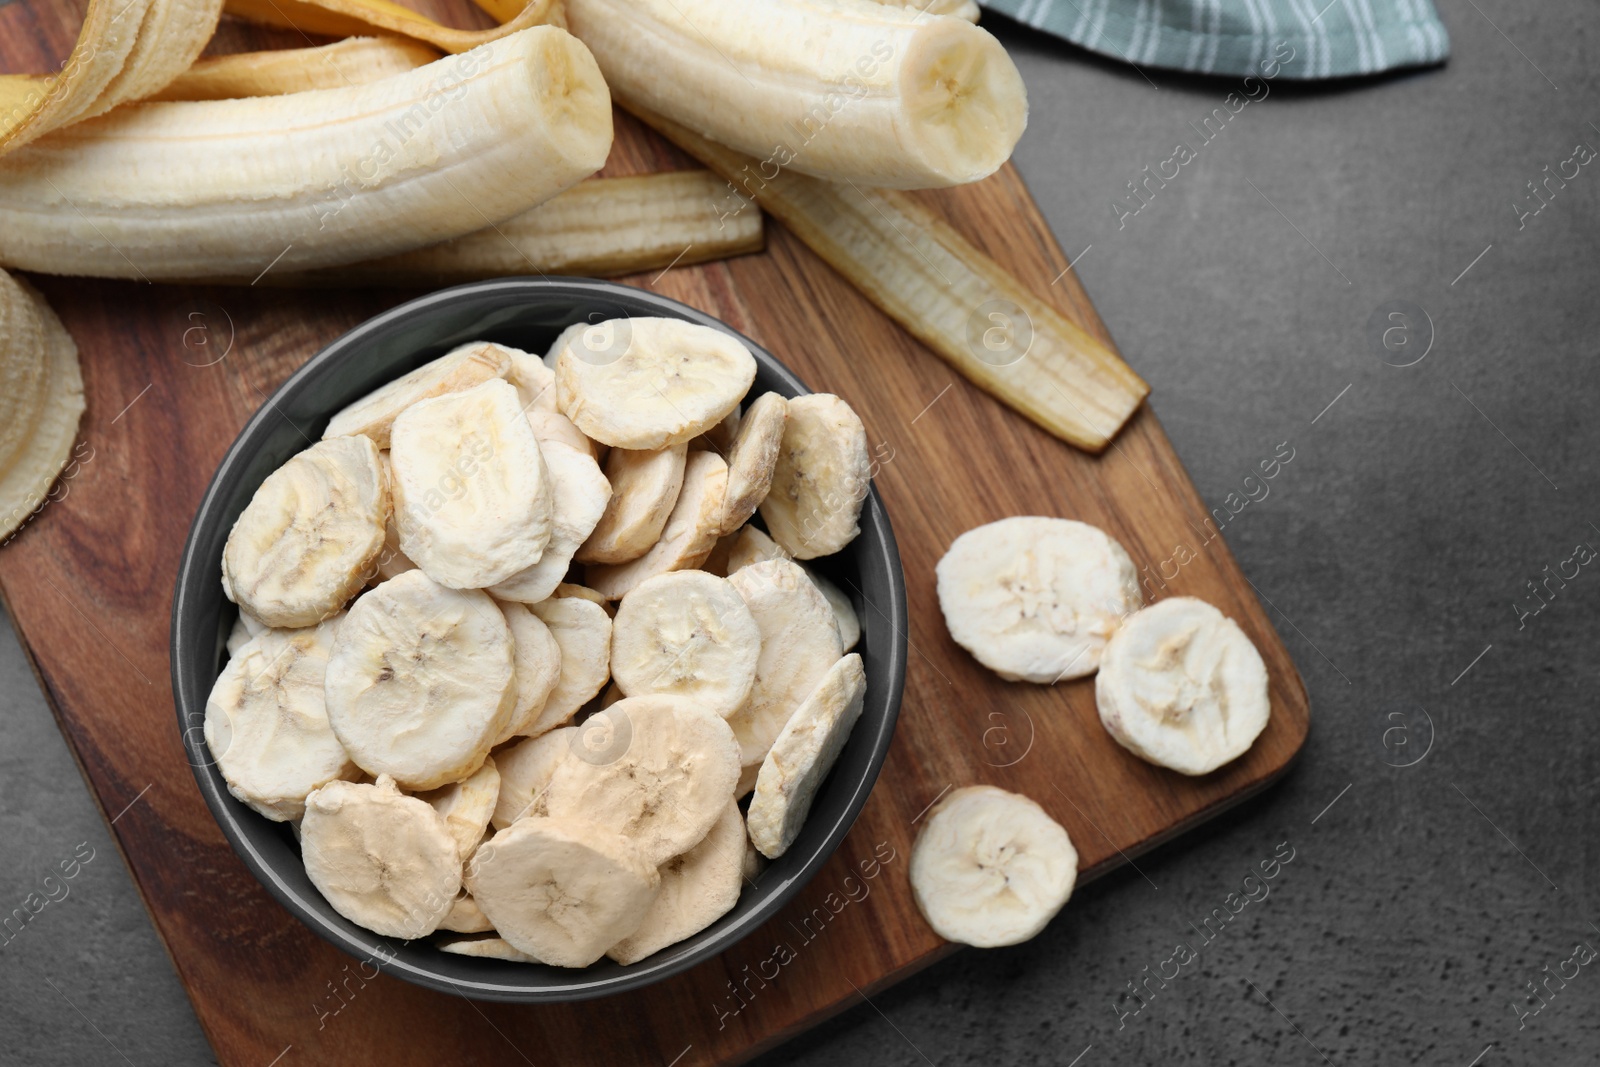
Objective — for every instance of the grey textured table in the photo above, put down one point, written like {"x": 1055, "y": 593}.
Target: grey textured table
{"x": 1443, "y": 814}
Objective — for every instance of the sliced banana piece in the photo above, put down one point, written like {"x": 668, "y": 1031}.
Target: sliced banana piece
{"x": 646, "y": 383}
{"x": 687, "y": 634}
{"x": 1035, "y": 599}
{"x": 472, "y": 497}
{"x": 803, "y": 755}
{"x": 391, "y": 561}
{"x": 537, "y": 662}
{"x": 244, "y": 628}
{"x": 799, "y": 644}
{"x": 719, "y": 438}
{"x": 465, "y": 917}
{"x": 644, "y": 487}
{"x": 751, "y": 545}
{"x": 822, "y": 478}
{"x": 578, "y": 495}
{"x": 525, "y": 772}
{"x": 583, "y": 592}
{"x": 991, "y": 868}
{"x": 697, "y": 888}
{"x": 465, "y": 806}
{"x": 267, "y": 726}
{"x": 535, "y": 382}
{"x": 562, "y": 890}
{"x": 583, "y": 631}
{"x": 661, "y": 773}
{"x": 689, "y": 536}
{"x": 1181, "y": 686}
{"x": 460, "y": 368}
{"x": 752, "y": 459}
{"x": 309, "y": 536}
{"x": 421, "y": 680}
{"x": 554, "y": 426}
{"x": 384, "y": 860}
{"x": 486, "y": 948}
{"x": 844, "y": 612}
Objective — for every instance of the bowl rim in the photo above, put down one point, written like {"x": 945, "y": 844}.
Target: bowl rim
{"x": 188, "y": 663}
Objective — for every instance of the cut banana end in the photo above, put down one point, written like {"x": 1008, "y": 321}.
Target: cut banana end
{"x": 867, "y": 93}
{"x": 266, "y": 724}
{"x": 459, "y": 369}
{"x": 583, "y": 630}
{"x": 1036, "y": 599}
{"x": 42, "y": 404}
{"x": 561, "y": 890}
{"x": 752, "y": 458}
{"x": 465, "y": 806}
{"x": 538, "y": 667}
{"x": 525, "y": 772}
{"x": 421, "y": 680}
{"x": 661, "y": 774}
{"x": 385, "y": 861}
{"x": 697, "y": 888}
{"x": 821, "y": 479}
{"x": 578, "y": 494}
{"x": 688, "y": 538}
{"x": 686, "y": 634}
{"x": 1181, "y": 686}
{"x": 354, "y": 61}
{"x": 991, "y": 868}
{"x": 969, "y": 310}
{"x": 309, "y": 537}
{"x": 644, "y": 488}
{"x": 803, "y": 755}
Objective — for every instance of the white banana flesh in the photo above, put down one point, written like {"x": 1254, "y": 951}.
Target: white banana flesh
{"x": 525, "y": 772}
{"x": 686, "y": 634}
{"x": 578, "y": 497}
{"x": 465, "y": 806}
{"x": 644, "y": 488}
{"x": 821, "y": 479}
{"x": 689, "y": 536}
{"x": 752, "y": 458}
{"x": 459, "y": 369}
{"x": 697, "y": 888}
{"x": 842, "y": 89}
{"x": 538, "y": 667}
{"x": 583, "y": 630}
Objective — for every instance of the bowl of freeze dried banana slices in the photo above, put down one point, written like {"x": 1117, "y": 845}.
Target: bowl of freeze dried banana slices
{"x": 539, "y": 638}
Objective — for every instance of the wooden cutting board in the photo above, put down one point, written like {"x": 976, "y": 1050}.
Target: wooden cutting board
{"x": 172, "y": 373}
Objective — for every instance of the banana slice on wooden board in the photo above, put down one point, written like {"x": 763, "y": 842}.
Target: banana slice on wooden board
{"x": 307, "y": 540}
{"x": 421, "y": 680}
{"x": 464, "y": 916}
{"x": 41, "y": 403}
{"x": 244, "y": 628}
{"x": 687, "y": 634}
{"x": 991, "y": 868}
{"x": 647, "y": 383}
{"x": 472, "y": 495}
{"x": 487, "y": 948}
{"x": 578, "y": 497}
{"x": 536, "y": 659}
{"x": 1036, "y": 599}
{"x": 465, "y": 806}
{"x": 697, "y": 888}
{"x": 803, "y": 755}
{"x": 644, "y": 487}
{"x": 752, "y": 458}
{"x": 799, "y": 644}
{"x": 688, "y": 538}
{"x": 821, "y": 480}
{"x": 844, "y": 612}
{"x": 384, "y": 860}
{"x": 1181, "y": 686}
{"x": 459, "y": 369}
{"x": 661, "y": 777}
{"x": 525, "y": 772}
{"x": 266, "y": 723}
{"x": 562, "y": 890}
{"x": 583, "y": 631}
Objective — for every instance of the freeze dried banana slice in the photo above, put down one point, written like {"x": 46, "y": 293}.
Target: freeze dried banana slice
{"x": 751, "y": 545}
{"x": 687, "y": 634}
{"x": 697, "y": 888}
{"x": 1181, "y": 686}
{"x": 465, "y": 806}
{"x": 554, "y": 426}
{"x": 803, "y": 755}
{"x": 384, "y": 860}
{"x": 244, "y": 628}
{"x": 578, "y": 495}
{"x": 307, "y": 540}
{"x": 644, "y": 487}
{"x": 991, "y": 868}
{"x": 752, "y": 459}
{"x": 525, "y": 772}
{"x": 658, "y": 769}
{"x": 719, "y": 438}
{"x": 487, "y": 948}
{"x": 799, "y": 644}
{"x": 464, "y": 916}
{"x": 650, "y": 382}
{"x": 822, "y": 478}
{"x": 536, "y": 658}
{"x": 689, "y": 536}
{"x": 844, "y": 612}
{"x": 391, "y": 561}
{"x": 535, "y": 382}
{"x": 562, "y": 890}
{"x": 421, "y": 680}
{"x": 1035, "y": 599}
{"x": 583, "y": 592}
{"x": 472, "y": 497}
{"x": 583, "y": 630}
{"x": 460, "y": 368}
{"x": 267, "y": 726}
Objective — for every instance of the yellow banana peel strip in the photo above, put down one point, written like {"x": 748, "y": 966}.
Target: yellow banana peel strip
{"x": 353, "y": 61}
{"x": 968, "y": 309}
{"x": 353, "y": 18}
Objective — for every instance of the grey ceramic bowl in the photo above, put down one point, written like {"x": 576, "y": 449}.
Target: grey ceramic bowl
{"x": 526, "y": 313}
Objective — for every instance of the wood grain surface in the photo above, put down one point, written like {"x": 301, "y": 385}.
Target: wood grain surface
{"x": 172, "y": 373}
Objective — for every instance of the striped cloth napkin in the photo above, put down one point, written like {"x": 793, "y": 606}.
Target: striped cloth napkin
{"x": 1343, "y": 38}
